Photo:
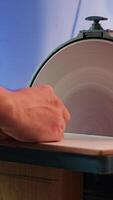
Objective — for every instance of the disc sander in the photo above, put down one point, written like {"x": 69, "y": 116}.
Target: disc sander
{"x": 81, "y": 73}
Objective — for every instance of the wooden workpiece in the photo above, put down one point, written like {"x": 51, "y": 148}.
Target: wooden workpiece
{"x": 72, "y": 143}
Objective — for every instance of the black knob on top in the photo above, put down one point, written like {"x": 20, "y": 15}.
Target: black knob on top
{"x": 96, "y": 19}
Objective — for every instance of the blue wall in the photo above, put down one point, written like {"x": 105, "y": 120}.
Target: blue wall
{"x": 29, "y": 30}
{"x": 20, "y": 40}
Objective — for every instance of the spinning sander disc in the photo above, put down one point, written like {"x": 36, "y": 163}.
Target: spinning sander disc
{"x": 82, "y": 75}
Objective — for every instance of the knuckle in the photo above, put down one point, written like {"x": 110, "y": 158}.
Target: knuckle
{"x": 60, "y": 124}
{"x": 67, "y": 115}
{"x": 48, "y": 87}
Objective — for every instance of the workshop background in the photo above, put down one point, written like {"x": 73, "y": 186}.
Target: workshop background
{"x": 31, "y": 29}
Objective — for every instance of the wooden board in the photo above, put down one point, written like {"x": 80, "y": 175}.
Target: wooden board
{"x": 83, "y": 144}
{"x": 72, "y": 143}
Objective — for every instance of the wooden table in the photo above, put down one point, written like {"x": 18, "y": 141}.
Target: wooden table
{"x": 55, "y": 170}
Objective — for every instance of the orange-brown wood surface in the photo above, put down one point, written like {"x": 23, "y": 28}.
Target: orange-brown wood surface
{"x": 20, "y": 182}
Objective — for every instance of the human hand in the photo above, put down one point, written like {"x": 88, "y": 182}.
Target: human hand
{"x": 33, "y": 114}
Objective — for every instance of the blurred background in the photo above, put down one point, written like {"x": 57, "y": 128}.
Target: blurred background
{"x": 31, "y": 29}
